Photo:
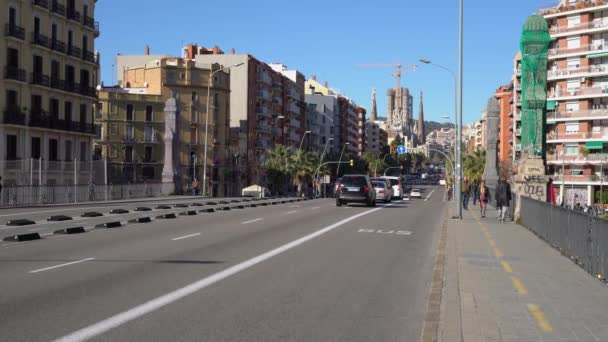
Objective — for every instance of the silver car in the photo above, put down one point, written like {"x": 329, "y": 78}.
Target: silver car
{"x": 382, "y": 191}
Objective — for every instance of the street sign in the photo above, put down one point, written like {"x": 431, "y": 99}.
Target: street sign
{"x": 432, "y": 166}
{"x": 325, "y": 179}
{"x": 401, "y": 149}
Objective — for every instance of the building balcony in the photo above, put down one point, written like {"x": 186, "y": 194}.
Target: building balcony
{"x": 57, "y": 45}
{"x": 73, "y": 15}
{"x": 552, "y": 137}
{"x": 57, "y": 8}
{"x": 586, "y": 114}
{"x": 41, "y": 3}
{"x": 264, "y": 94}
{"x": 91, "y": 23}
{"x": 40, "y": 79}
{"x": 41, "y": 40}
{"x": 577, "y": 93}
{"x": 41, "y": 119}
{"x": 576, "y": 51}
{"x": 74, "y": 51}
{"x": 14, "y": 73}
{"x": 264, "y": 78}
{"x": 294, "y": 123}
{"x": 292, "y": 107}
{"x": 14, "y": 116}
{"x": 14, "y": 31}
{"x": 293, "y": 136}
{"x": 263, "y": 111}
{"x": 263, "y": 128}
{"x": 89, "y": 56}
{"x": 590, "y": 159}
{"x": 585, "y": 179}
{"x": 573, "y": 8}
{"x": 263, "y": 145}
{"x": 582, "y": 28}
{"x": 588, "y": 71}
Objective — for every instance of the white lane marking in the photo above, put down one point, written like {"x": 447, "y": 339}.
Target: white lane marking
{"x": 293, "y": 211}
{"x": 294, "y": 206}
{"x": 171, "y": 297}
{"x": 46, "y": 234}
{"x": 314, "y": 208}
{"x": 62, "y": 265}
{"x": 251, "y": 221}
{"x": 185, "y": 237}
{"x": 427, "y": 197}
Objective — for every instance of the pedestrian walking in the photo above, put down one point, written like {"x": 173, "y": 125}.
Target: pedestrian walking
{"x": 91, "y": 191}
{"x": 550, "y": 192}
{"x": 503, "y": 198}
{"x": 476, "y": 191}
{"x": 466, "y": 192}
{"x": 484, "y": 197}
{"x": 195, "y": 187}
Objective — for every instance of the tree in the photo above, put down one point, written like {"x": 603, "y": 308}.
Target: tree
{"x": 305, "y": 165}
{"x": 279, "y": 165}
{"x": 474, "y": 164}
{"x": 417, "y": 159}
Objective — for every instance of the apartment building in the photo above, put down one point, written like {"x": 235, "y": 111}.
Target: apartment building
{"x": 132, "y": 126}
{"x": 376, "y": 138}
{"x": 577, "y": 104}
{"x": 504, "y": 94}
{"x": 351, "y": 131}
{"x": 158, "y": 80}
{"x": 324, "y": 103}
{"x": 515, "y": 113}
{"x": 48, "y": 90}
{"x": 266, "y": 105}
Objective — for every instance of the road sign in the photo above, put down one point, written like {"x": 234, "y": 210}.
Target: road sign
{"x": 401, "y": 149}
{"x": 432, "y": 166}
{"x": 325, "y": 179}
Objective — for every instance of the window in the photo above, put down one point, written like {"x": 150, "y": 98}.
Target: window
{"x": 571, "y": 106}
{"x": 128, "y": 154}
{"x": 113, "y": 109}
{"x": 12, "y": 57}
{"x": 149, "y": 114}
{"x": 83, "y": 151}
{"x": 68, "y": 111}
{"x": 55, "y": 67}
{"x": 572, "y": 150}
{"x": 573, "y": 84}
{"x": 576, "y": 170}
{"x": 68, "y": 150}
{"x": 83, "y": 113}
{"x": 130, "y": 112}
{"x": 113, "y": 152}
{"x": 85, "y": 44}
{"x": 149, "y": 134}
{"x": 574, "y": 63}
{"x": 53, "y": 33}
{"x": 571, "y": 127}
{"x": 11, "y": 147}
{"x": 148, "y": 154}
{"x": 12, "y": 104}
{"x": 35, "y": 148}
{"x": 113, "y": 128}
{"x": 130, "y": 131}
{"x": 53, "y": 150}
{"x": 597, "y": 127}
{"x": 12, "y": 17}
{"x": 193, "y": 136}
{"x": 70, "y": 38}
{"x": 574, "y": 20}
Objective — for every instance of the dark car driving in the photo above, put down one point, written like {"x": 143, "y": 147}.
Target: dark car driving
{"x": 356, "y": 188}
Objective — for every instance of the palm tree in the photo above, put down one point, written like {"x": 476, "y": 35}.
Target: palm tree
{"x": 305, "y": 164}
{"x": 474, "y": 164}
{"x": 279, "y": 164}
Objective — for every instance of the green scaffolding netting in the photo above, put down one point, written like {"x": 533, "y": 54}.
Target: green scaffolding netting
{"x": 534, "y": 46}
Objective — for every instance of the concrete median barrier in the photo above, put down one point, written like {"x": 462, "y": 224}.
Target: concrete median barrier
{"x": 20, "y": 222}
{"x": 143, "y": 209}
{"x": 119, "y": 211}
{"x": 224, "y": 202}
{"x": 180, "y": 205}
{"x": 188, "y": 213}
{"x": 211, "y": 203}
{"x": 197, "y": 204}
{"x": 239, "y": 207}
{"x": 167, "y": 216}
{"x": 226, "y": 208}
{"x": 146, "y": 219}
{"x": 23, "y": 237}
{"x": 56, "y": 218}
{"x": 163, "y": 206}
{"x": 208, "y": 210}
{"x": 111, "y": 224}
{"x": 92, "y": 214}
{"x": 71, "y": 230}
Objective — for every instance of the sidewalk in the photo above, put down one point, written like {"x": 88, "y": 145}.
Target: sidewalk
{"x": 502, "y": 283}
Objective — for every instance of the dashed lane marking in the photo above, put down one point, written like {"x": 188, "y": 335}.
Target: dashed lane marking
{"x": 61, "y": 265}
{"x": 539, "y": 316}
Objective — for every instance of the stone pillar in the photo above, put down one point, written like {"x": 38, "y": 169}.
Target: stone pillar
{"x": 490, "y": 173}
{"x": 590, "y": 197}
{"x": 171, "y": 161}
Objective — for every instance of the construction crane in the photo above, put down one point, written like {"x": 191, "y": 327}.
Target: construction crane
{"x": 400, "y": 70}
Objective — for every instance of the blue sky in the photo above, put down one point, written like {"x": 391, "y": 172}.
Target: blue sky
{"x": 328, "y": 38}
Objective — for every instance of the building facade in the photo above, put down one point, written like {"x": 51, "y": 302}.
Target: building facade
{"x": 516, "y": 108}
{"x": 48, "y": 91}
{"x": 266, "y": 105}
{"x": 577, "y": 103}
{"x": 158, "y": 80}
{"x": 375, "y": 137}
{"x": 505, "y": 123}
{"x": 400, "y": 108}
{"x": 324, "y": 111}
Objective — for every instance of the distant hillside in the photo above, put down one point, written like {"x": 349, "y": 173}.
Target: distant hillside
{"x": 430, "y": 126}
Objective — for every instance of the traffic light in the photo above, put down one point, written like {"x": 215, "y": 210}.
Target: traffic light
{"x": 352, "y": 163}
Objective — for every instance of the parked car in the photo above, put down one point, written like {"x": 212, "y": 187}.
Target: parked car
{"x": 415, "y": 193}
{"x": 383, "y": 191}
{"x": 388, "y": 183}
{"x": 356, "y": 188}
{"x": 396, "y": 185}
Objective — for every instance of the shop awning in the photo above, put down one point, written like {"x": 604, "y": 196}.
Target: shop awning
{"x": 551, "y": 105}
{"x": 597, "y": 55}
{"x": 594, "y": 145}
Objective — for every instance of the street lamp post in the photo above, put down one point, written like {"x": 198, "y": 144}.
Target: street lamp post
{"x": 279, "y": 117}
{"x": 302, "y": 142}
{"x": 323, "y": 154}
{"x": 341, "y": 153}
{"x": 458, "y": 113}
{"x": 207, "y": 123}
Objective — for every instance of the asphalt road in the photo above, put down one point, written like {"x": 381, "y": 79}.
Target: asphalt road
{"x": 296, "y": 271}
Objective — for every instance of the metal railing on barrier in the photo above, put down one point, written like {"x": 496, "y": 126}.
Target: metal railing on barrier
{"x": 581, "y": 237}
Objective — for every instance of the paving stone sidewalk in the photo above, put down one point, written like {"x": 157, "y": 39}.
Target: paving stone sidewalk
{"x": 502, "y": 283}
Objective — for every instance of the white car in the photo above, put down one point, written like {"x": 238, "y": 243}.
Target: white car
{"x": 396, "y": 184}
{"x": 383, "y": 192}
{"x": 415, "y": 193}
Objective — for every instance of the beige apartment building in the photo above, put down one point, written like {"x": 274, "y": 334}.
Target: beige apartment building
{"x": 145, "y": 89}
{"x": 577, "y": 104}
{"x": 50, "y": 70}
